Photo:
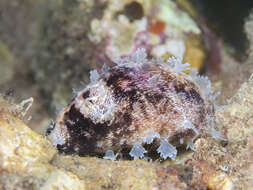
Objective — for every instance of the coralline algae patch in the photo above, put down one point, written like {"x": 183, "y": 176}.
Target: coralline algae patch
{"x": 160, "y": 27}
{"x": 136, "y": 103}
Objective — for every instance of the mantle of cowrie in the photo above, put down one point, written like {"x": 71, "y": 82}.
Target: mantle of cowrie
{"x": 136, "y": 107}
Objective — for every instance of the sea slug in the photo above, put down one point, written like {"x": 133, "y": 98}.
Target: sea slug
{"x": 137, "y": 107}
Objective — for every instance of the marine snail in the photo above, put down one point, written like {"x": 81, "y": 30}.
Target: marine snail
{"x": 136, "y": 104}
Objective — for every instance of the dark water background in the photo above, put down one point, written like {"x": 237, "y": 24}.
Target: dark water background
{"x": 227, "y": 18}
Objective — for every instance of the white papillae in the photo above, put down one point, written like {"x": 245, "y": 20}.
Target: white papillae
{"x": 189, "y": 125}
{"x": 204, "y": 84}
{"x": 149, "y": 137}
{"x": 94, "y": 76}
{"x": 176, "y": 65}
{"x": 137, "y": 59}
{"x": 137, "y": 151}
{"x": 167, "y": 150}
{"x": 109, "y": 155}
{"x": 100, "y": 106}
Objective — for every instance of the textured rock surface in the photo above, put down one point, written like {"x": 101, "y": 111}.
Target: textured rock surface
{"x": 235, "y": 159}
